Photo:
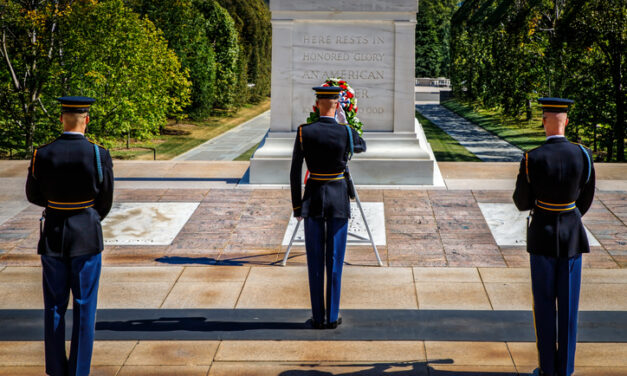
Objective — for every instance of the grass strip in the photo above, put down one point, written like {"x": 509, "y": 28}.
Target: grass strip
{"x": 519, "y": 132}
{"x": 248, "y": 154}
{"x": 445, "y": 148}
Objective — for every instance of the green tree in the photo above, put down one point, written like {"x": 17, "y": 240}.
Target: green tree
{"x": 221, "y": 31}
{"x": 602, "y": 25}
{"x": 112, "y": 54}
{"x": 506, "y": 54}
{"x": 252, "y": 20}
{"x": 433, "y": 37}
{"x": 29, "y": 49}
{"x": 184, "y": 28}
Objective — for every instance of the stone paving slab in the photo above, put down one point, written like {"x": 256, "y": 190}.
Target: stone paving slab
{"x": 258, "y": 287}
{"x": 297, "y": 359}
{"x": 239, "y": 227}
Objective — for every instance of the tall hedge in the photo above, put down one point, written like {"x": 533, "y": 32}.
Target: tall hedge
{"x": 222, "y": 33}
{"x": 252, "y": 20}
{"x": 184, "y": 28}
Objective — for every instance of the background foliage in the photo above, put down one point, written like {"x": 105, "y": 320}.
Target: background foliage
{"x": 505, "y": 54}
{"x": 433, "y": 27}
{"x": 252, "y": 20}
{"x": 143, "y": 60}
{"x": 184, "y": 29}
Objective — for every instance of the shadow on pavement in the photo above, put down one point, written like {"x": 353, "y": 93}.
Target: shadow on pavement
{"x": 193, "y": 324}
{"x": 233, "y": 261}
{"x": 387, "y": 369}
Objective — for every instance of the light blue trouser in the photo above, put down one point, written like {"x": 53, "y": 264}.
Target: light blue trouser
{"x": 325, "y": 241}
{"x": 555, "y": 283}
{"x": 60, "y": 275}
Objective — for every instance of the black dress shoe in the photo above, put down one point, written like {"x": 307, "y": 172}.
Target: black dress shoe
{"x": 312, "y": 324}
{"x": 333, "y": 325}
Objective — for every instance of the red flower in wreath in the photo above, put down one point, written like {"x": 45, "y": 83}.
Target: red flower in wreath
{"x": 348, "y": 102}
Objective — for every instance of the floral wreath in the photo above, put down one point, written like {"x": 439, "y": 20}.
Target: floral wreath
{"x": 347, "y": 101}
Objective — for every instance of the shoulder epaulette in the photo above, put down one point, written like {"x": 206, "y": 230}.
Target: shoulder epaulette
{"x": 94, "y": 142}
{"x": 44, "y": 145}
{"x": 581, "y": 146}
{"x": 532, "y": 149}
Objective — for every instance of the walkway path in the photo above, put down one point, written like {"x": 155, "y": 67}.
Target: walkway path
{"x": 231, "y": 144}
{"x": 485, "y": 145}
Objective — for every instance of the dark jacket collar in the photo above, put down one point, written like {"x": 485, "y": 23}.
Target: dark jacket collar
{"x": 69, "y": 136}
{"x": 556, "y": 140}
{"x": 327, "y": 120}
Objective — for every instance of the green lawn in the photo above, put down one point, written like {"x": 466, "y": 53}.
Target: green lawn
{"x": 248, "y": 154}
{"x": 522, "y": 133}
{"x": 185, "y": 135}
{"x": 445, "y": 147}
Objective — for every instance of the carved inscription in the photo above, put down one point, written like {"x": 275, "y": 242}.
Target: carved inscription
{"x": 364, "y": 57}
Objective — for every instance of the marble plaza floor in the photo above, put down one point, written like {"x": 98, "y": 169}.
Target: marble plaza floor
{"x": 204, "y": 294}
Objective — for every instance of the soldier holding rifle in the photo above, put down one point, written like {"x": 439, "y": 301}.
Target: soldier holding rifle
{"x": 325, "y": 145}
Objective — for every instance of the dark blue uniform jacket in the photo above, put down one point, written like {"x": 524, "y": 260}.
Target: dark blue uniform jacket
{"x": 325, "y": 147}
{"x": 65, "y": 171}
{"x": 556, "y": 173}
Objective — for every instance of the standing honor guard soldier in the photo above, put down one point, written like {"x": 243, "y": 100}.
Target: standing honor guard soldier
{"x": 73, "y": 179}
{"x": 325, "y": 206}
{"x": 556, "y": 182}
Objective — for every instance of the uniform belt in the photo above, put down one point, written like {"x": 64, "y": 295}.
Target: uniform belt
{"x": 70, "y": 205}
{"x": 326, "y": 177}
{"x": 555, "y": 207}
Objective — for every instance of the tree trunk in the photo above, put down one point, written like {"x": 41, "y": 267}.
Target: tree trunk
{"x": 610, "y": 148}
{"x": 29, "y": 128}
{"x": 619, "y": 126}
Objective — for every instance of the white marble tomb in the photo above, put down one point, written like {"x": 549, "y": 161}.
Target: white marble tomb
{"x": 369, "y": 43}
{"x": 146, "y": 223}
{"x": 508, "y": 225}
{"x": 374, "y": 212}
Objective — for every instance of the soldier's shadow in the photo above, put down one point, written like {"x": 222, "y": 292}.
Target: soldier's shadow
{"x": 193, "y": 324}
{"x": 233, "y": 261}
{"x": 390, "y": 369}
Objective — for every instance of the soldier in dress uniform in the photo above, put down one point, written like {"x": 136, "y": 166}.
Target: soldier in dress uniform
{"x": 556, "y": 182}
{"x": 73, "y": 179}
{"x": 325, "y": 206}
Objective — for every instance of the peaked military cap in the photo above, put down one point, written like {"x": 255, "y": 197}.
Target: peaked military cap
{"x": 555, "y": 104}
{"x": 75, "y": 104}
{"x": 327, "y": 92}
